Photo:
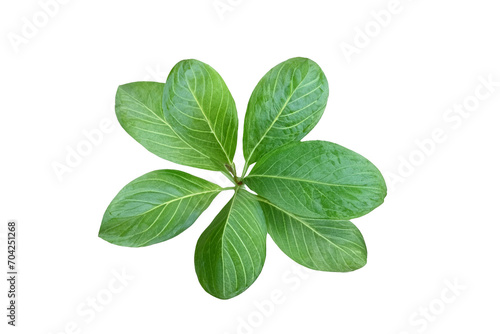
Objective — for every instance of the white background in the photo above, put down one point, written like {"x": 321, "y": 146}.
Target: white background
{"x": 438, "y": 226}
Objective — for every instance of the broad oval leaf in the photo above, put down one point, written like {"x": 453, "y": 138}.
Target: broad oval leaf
{"x": 285, "y": 105}
{"x": 156, "y": 207}
{"x": 200, "y": 108}
{"x": 318, "y": 179}
{"x": 319, "y": 244}
{"x": 139, "y": 111}
{"x": 231, "y": 252}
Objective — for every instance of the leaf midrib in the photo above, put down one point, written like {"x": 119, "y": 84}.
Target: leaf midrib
{"x": 172, "y": 201}
{"x": 310, "y": 181}
{"x": 222, "y": 239}
{"x": 165, "y": 122}
{"x": 278, "y": 116}
{"x": 305, "y": 224}
{"x": 206, "y": 118}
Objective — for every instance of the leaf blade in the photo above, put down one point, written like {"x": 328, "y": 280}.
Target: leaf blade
{"x": 284, "y": 107}
{"x": 319, "y": 244}
{"x": 231, "y": 252}
{"x": 139, "y": 111}
{"x": 318, "y": 179}
{"x": 200, "y": 108}
{"x": 156, "y": 207}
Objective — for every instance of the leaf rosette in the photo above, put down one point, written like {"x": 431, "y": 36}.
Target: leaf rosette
{"x": 304, "y": 192}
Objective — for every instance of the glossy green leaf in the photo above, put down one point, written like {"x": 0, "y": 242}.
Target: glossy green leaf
{"x": 318, "y": 179}
{"x": 230, "y": 253}
{"x": 200, "y": 108}
{"x": 286, "y": 104}
{"x": 156, "y": 207}
{"x": 320, "y": 244}
{"x": 139, "y": 111}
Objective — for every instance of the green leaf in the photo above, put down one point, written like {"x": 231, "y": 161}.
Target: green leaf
{"x": 320, "y": 244}
{"x": 318, "y": 179}
{"x": 230, "y": 253}
{"x": 156, "y": 207}
{"x": 286, "y": 104}
{"x": 200, "y": 108}
{"x": 139, "y": 111}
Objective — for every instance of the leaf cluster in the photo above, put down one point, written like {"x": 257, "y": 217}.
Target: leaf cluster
{"x": 304, "y": 192}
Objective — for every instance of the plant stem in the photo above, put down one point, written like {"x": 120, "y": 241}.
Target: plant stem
{"x": 234, "y": 177}
{"x": 229, "y": 176}
{"x": 245, "y": 169}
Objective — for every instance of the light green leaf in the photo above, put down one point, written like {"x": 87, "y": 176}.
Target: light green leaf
{"x": 318, "y": 179}
{"x": 139, "y": 111}
{"x": 156, "y": 207}
{"x": 286, "y": 104}
{"x": 320, "y": 244}
{"x": 230, "y": 253}
{"x": 200, "y": 108}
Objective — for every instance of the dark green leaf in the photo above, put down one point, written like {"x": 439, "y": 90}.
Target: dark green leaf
{"x": 139, "y": 111}
{"x": 230, "y": 253}
{"x": 320, "y": 244}
{"x": 156, "y": 207}
{"x": 286, "y": 104}
{"x": 318, "y": 179}
{"x": 200, "y": 108}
